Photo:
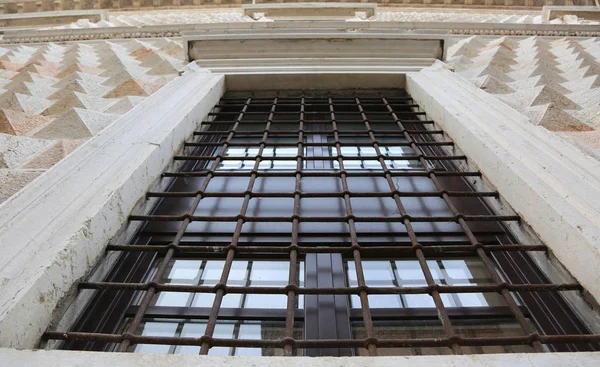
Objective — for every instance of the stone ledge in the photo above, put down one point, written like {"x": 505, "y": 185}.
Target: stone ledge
{"x": 56, "y": 228}
{"x": 553, "y": 186}
{"x": 19, "y": 358}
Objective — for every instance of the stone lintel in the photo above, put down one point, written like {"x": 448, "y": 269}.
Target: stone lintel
{"x": 318, "y": 43}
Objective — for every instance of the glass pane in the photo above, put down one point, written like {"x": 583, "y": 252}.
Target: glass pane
{"x": 268, "y": 274}
{"x": 408, "y": 273}
{"x": 258, "y": 330}
{"x": 265, "y": 330}
{"x": 429, "y": 329}
{"x": 156, "y": 329}
{"x": 370, "y": 153}
{"x": 242, "y": 273}
{"x": 247, "y": 157}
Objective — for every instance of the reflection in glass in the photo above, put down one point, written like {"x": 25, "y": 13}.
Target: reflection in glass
{"x": 427, "y": 329}
{"x": 408, "y": 273}
{"x": 258, "y": 330}
{"x": 242, "y": 273}
{"x": 251, "y": 152}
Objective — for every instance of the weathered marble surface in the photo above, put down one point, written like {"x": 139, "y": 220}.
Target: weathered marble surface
{"x": 66, "y": 93}
{"x": 383, "y": 14}
{"x": 555, "y": 82}
{"x": 54, "y": 97}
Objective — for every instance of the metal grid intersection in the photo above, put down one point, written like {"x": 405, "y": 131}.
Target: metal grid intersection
{"x": 374, "y": 121}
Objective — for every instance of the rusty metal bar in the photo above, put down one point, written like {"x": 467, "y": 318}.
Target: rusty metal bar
{"x": 220, "y": 293}
{"x": 147, "y": 298}
{"x": 363, "y": 294}
{"x": 320, "y": 158}
{"x": 522, "y": 320}
{"x": 295, "y": 246}
{"x": 355, "y": 343}
{"x": 429, "y": 289}
{"x": 312, "y": 144}
{"x": 341, "y": 133}
{"x": 400, "y": 218}
{"x": 337, "y": 173}
{"x": 322, "y": 194}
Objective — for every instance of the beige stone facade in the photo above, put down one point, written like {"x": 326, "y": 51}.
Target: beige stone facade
{"x": 70, "y": 87}
{"x": 56, "y": 95}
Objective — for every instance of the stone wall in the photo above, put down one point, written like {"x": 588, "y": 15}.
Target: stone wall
{"x": 55, "y": 97}
{"x": 553, "y": 81}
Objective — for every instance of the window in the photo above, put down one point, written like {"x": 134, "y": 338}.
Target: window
{"x": 324, "y": 224}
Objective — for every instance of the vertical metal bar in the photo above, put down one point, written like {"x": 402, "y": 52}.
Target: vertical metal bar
{"x": 435, "y": 294}
{"x": 212, "y": 319}
{"x": 293, "y": 276}
{"x": 364, "y": 300}
{"x": 147, "y": 298}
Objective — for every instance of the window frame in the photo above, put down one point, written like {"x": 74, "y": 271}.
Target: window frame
{"x": 135, "y": 269}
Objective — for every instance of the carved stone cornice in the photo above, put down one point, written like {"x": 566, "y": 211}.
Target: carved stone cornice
{"x": 176, "y": 30}
{"x": 32, "y": 6}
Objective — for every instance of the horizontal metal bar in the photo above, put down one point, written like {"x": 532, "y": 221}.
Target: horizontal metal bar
{"x": 320, "y": 158}
{"x": 305, "y": 144}
{"x": 321, "y": 194}
{"x": 398, "y": 133}
{"x": 326, "y": 343}
{"x": 297, "y": 100}
{"x": 296, "y": 113}
{"x": 400, "y": 218}
{"x": 341, "y": 242}
{"x": 413, "y": 313}
{"x": 375, "y": 250}
{"x": 333, "y": 291}
{"x": 323, "y": 236}
{"x": 315, "y": 173}
{"x": 312, "y": 104}
{"x": 308, "y": 120}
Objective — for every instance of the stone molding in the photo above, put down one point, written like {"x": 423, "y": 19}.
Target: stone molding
{"x": 317, "y": 43}
{"x": 57, "y": 227}
{"x": 19, "y": 358}
{"x": 553, "y": 186}
{"x": 177, "y": 30}
{"x": 28, "y": 6}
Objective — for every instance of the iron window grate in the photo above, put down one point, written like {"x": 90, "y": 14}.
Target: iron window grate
{"x": 330, "y": 132}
